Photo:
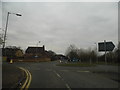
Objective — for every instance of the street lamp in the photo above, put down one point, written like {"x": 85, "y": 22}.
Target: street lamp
{"x": 36, "y": 49}
{"x": 7, "y": 26}
{"x": 37, "y": 43}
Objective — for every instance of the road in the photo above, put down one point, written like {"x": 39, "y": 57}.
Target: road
{"x": 48, "y": 75}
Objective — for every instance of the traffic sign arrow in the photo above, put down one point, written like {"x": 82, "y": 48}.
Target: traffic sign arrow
{"x": 106, "y": 46}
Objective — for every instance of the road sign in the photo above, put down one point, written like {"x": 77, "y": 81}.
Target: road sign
{"x": 106, "y": 46}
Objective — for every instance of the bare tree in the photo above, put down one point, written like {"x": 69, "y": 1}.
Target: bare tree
{"x": 72, "y": 52}
{"x": 83, "y": 55}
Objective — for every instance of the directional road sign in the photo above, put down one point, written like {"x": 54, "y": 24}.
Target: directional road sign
{"x": 106, "y": 46}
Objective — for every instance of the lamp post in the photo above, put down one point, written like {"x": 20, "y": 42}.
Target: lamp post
{"x": 36, "y": 49}
{"x": 38, "y": 43}
{"x": 7, "y": 26}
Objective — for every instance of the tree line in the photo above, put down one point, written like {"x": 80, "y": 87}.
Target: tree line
{"x": 90, "y": 55}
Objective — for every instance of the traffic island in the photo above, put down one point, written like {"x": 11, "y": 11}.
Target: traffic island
{"x": 11, "y": 76}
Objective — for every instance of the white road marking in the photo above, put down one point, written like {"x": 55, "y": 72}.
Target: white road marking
{"x": 62, "y": 80}
{"x": 68, "y": 86}
{"x": 58, "y": 75}
{"x": 83, "y": 71}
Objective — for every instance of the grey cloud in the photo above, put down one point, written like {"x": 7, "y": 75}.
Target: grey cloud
{"x": 57, "y": 25}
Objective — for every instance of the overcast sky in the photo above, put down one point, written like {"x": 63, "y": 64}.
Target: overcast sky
{"x": 59, "y": 24}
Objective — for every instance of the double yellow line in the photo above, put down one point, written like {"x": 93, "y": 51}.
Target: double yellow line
{"x": 28, "y": 79}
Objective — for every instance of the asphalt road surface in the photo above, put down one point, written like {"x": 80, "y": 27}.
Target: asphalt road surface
{"x": 48, "y": 75}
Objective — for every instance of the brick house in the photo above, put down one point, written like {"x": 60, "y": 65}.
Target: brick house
{"x": 36, "y": 53}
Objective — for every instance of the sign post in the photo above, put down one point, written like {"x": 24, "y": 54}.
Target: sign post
{"x": 105, "y": 51}
{"x": 106, "y": 46}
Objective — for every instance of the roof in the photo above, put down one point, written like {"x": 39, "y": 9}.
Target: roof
{"x": 35, "y": 49}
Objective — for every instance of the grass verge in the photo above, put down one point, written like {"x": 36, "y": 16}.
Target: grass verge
{"x": 113, "y": 64}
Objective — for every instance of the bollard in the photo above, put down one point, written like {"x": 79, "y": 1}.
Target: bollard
{"x": 11, "y": 61}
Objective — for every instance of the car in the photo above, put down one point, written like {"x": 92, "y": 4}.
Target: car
{"x": 75, "y": 60}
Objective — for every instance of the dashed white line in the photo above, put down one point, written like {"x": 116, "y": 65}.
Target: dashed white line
{"x": 68, "y": 86}
{"x": 62, "y": 80}
{"x": 58, "y": 75}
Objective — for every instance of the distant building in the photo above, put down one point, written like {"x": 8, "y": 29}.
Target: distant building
{"x": 12, "y": 53}
{"x": 36, "y": 53}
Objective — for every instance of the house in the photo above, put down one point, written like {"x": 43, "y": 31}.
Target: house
{"x": 12, "y": 53}
{"x": 36, "y": 53}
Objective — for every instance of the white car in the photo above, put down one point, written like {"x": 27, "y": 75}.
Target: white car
{"x": 61, "y": 61}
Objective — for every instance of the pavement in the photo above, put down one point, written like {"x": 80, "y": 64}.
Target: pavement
{"x": 48, "y": 75}
{"x": 11, "y": 75}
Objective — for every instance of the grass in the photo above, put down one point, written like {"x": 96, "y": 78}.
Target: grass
{"x": 103, "y": 63}
{"x": 85, "y": 64}
{"x": 77, "y": 64}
